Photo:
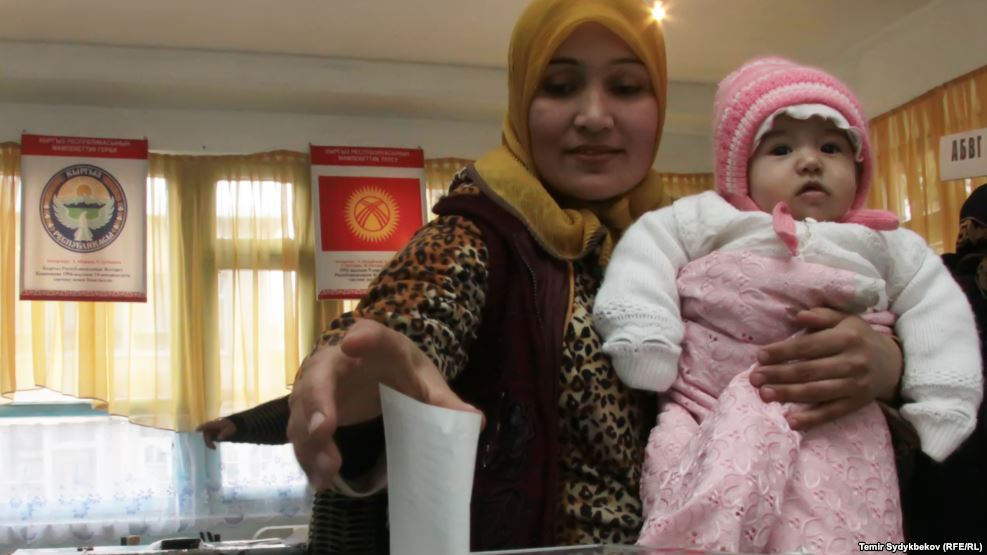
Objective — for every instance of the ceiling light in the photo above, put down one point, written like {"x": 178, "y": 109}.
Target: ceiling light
{"x": 658, "y": 11}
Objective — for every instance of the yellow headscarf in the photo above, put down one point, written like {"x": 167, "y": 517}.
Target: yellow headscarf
{"x": 569, "y": 232}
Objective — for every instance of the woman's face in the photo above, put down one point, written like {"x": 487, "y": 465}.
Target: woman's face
{"x": 594, "y": 119}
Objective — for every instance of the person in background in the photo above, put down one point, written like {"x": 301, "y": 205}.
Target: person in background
{"x": 947, "y": 501}
{"x": 488, "y": 307}
{"x": 339, "y": 525}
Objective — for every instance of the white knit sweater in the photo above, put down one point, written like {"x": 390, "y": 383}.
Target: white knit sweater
{"x": 637, "y": 307}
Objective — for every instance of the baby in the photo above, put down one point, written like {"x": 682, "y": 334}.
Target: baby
{"x": 695, "y": 289}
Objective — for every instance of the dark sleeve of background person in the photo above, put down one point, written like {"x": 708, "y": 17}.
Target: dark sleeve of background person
{"x": 947, "y": 502}
{"x": 266, "y": 423}
{"x": 339, "y": 524}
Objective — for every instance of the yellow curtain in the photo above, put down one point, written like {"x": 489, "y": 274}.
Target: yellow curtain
{"x": 114, "y": 353}
{"x": 230, "y": 304}
{"x": 906, "y": 154}
{"x": 243, "y": 278}
{"x": 440, "y": 171}
{"x": 230, "y": 308}
{"x": 10, "y": 161}
{"x": 438, "y": 175}
{"x": 681, "y": 185}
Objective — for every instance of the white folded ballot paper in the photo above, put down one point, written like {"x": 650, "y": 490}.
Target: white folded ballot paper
{"x": 431, "y": 452}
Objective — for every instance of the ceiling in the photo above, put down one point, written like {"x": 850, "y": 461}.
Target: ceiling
{"x": 705, "y": 38}
{"x": 443, "y": 59}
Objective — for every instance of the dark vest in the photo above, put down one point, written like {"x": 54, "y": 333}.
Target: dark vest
{"x": 513, "y": 377}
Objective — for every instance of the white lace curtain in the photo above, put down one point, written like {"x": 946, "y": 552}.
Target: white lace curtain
{"x": 88, "y": 480}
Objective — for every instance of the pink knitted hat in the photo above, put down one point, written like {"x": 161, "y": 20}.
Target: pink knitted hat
{"x": 757, "y": 91}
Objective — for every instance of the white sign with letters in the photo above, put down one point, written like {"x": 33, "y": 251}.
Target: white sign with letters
{"x": 962, "y": 155}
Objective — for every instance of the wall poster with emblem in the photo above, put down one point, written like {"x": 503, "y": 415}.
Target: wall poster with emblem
{"x": 368, "y": 202}
{"x": 83, "y": 219}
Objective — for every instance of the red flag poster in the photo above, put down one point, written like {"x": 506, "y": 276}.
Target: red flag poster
{"x": 368, "y": 203}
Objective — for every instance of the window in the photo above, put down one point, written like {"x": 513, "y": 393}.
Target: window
{"x": 257, "y": 290}
{"x": 47, "y": 334}
{"x": 70, "y": 475}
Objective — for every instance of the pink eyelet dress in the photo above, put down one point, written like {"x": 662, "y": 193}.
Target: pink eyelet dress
{"x": 723, "y": 470}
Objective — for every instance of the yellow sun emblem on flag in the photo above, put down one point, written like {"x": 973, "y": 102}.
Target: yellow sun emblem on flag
{"x": 371, "y": 214}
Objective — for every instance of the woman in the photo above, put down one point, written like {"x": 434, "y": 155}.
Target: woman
{"x": 488, "y": 307}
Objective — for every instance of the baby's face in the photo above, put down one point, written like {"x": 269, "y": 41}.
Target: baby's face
{"x": 808, "y": 164}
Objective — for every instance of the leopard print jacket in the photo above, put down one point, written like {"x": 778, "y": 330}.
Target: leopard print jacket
{"x": 433, "y": 291}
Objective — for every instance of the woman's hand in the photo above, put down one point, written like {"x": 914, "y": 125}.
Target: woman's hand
{"x": 216, "y": 431}
{"x": 338, "y": 386}
{"x": 837, "y": 367}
